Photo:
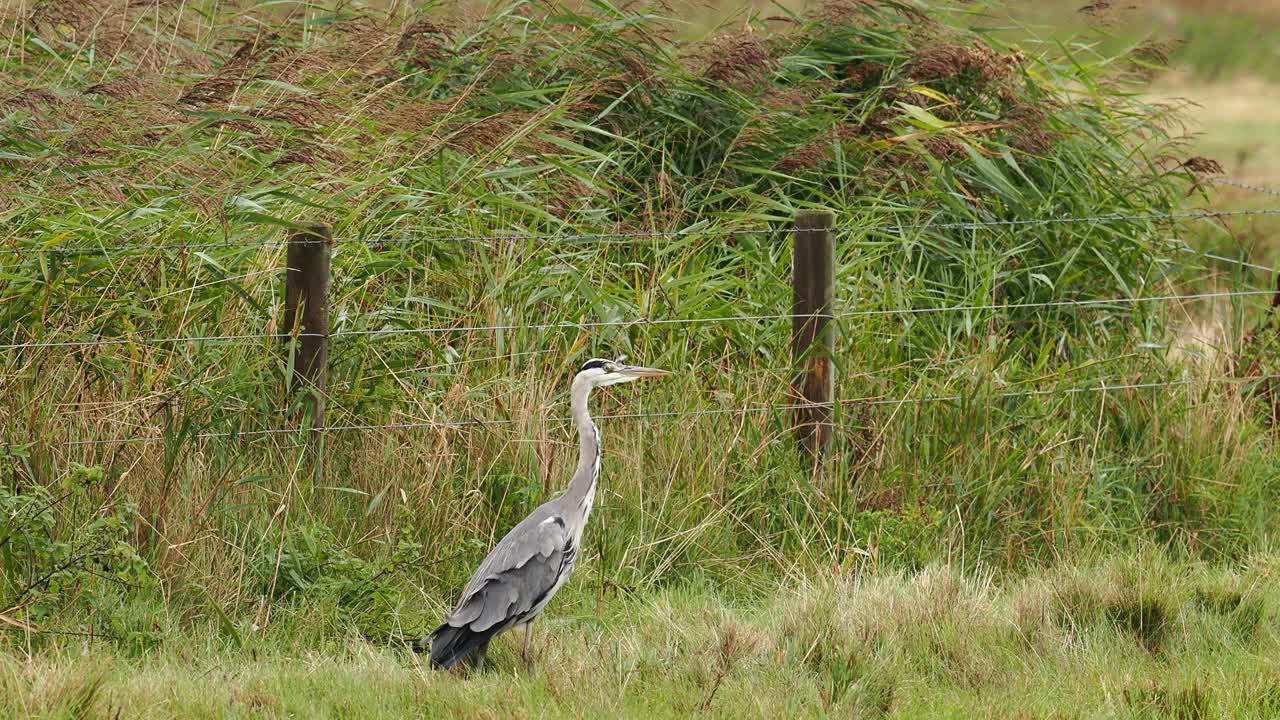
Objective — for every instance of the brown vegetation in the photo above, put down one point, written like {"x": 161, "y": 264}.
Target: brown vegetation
{"x": 739, "y": 61}
{"x": 950, "y": 62}
{"x": 422, "y": 43}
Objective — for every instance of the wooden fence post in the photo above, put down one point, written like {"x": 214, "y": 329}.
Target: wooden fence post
{"x": 813, "y": 283}
{"x": 306, "y": 299}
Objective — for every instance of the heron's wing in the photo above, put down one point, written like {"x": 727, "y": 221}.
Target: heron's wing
{"x": 517, "y": 575}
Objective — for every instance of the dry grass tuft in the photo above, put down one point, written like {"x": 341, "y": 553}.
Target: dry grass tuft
{"x": 1151, "y": 58}
{"x": 849, "y": 630}
{"x": 301, "y": 111}
{"x": 78, "y": 15}
{"x": 845, "y": 12}
{"x": 33, "y": 99}
{"x": 742, "y": 62}
{"x": 307, "y": 152}
{"x": 147, "y": 35}
{"x": 423, "y": 43}
{"x": 119, "y": 88}
{"x": 1202, "y": 166}
{"x": 734, "y": 643}
{"x": 945, "y": 62}
{"x": 794, "y": 98}
{"x": 855, "y": 13}
{"x": 943, "y": 147}
{"x": 806, "y": 157}
{"x": 487, "y": 134}
{"x": 864, "y": 74}
{"x": 1156, "y": 51}
{"x": 258, "y": 57}
{"x": 1027, "y": 127}
{"x": 1170, "y": 699}
{"x": 1061, "y": 611}
{"x": 405, "y": 114}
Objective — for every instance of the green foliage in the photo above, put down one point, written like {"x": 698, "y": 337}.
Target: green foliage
{"x": 903, "y": 538}
{"x": 69, "y": 549}
{"x": 309, "y": 567}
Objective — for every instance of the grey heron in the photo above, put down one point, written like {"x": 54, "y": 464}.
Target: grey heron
{"x": 534, "y": 560}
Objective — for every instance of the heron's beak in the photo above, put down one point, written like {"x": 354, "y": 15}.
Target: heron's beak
{"x": 636, "y": 371}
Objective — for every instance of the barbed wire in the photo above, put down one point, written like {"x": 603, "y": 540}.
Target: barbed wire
{"x": 441, "y": 424}
{"x": 637, "y": 321}
{"x": 1261, "y": 189}
{"x": 960, "y": 225}
{"x": 1057, "y": 303}
{"x": 646, "y": 235}
{"x": 1109, "y": 217}
{"x": 873, "y": 400}
{"x": 92, "y": 635}
{"x": 1237, "y": 261}
{"x": 402, "y": 240}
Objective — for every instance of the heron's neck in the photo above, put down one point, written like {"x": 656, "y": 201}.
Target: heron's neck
{"x": 582, "y": 488}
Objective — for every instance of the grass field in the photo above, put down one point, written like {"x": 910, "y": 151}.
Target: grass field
{"x": 1139, "y": 638}
{"x": 1056, "y": 502}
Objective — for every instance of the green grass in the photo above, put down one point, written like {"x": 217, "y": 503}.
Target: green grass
{"x": 1012, "y": 458}
{"x": 1145, "y": 638}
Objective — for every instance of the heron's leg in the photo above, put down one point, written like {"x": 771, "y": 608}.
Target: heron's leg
{"x": 479, "y": 656}
{"x": 526, "y": 655}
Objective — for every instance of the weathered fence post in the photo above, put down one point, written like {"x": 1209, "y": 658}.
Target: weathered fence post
{"x": 813, "y": 283}
{"x": 306, "y": 300}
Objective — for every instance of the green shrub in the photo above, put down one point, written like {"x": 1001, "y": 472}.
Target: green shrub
{"x": 69, "y": 550}
{"x": 308, "y": 567}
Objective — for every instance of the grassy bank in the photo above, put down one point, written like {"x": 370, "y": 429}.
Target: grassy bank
{"x": 1135, "y": 639}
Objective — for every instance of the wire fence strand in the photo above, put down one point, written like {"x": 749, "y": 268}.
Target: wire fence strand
{"x": 873, "y": 400}
{"x": 1260, "y": 189}
{"x": 632, "y": 236}
{"x": 659, "y": 322}
{"x": 1237, "y": 261}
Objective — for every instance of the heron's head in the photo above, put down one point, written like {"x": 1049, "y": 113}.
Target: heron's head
{"x": 601, "y": 372}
